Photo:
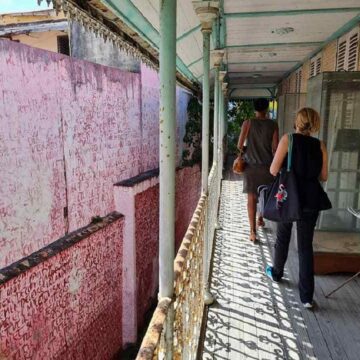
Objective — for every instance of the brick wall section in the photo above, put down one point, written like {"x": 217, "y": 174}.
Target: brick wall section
{"x": 188, "y": 182}
{"x": 69, "y": 130}
{"x": 328, "y": 57}
{"x": 305, "y": 71}
{"x": 328, "y": 63}
{"x": 69, "y": 306}
{"x": 147, "y": 249}
{"x": 292, "y": 83}
{"x": 32, "y": 192}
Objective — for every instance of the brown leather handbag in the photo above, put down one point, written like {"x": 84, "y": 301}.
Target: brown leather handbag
{"x": 239, "y": 163}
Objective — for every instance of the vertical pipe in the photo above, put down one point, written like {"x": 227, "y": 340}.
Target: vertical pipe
{"x": 205, "y": 111}
{"x": 221, "y": 119}
{"x": 167, "y": 149}
{"x": 216, "y": 116}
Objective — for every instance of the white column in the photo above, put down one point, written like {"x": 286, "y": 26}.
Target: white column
{"x": 207, "y": 12}
{"x": 222, "y": 75}
{"x": 217, "y": 56}
{"x": 167, "y": 149}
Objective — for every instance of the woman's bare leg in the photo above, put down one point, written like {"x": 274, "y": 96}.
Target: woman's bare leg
{"x": 251, "y": 205}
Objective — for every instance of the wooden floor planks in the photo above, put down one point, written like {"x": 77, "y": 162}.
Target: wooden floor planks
{"x": 254, "y": 318}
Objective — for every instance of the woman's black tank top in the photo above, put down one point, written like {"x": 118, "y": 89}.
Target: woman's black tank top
{"x": 307, "y": 165}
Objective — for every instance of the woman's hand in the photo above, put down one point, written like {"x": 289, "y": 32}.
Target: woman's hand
{"x": 279, "y": 155}
{"x": 324, "y": 170}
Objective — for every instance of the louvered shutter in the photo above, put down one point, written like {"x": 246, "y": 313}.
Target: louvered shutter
{"x": 353, "y": 52}
{"x": 315, "y": 65}
{"x": 312, "y": 68}
{"x": 318, "y": 65}
{"x": 348, "y": 51}
{"x": 341, "y": 56}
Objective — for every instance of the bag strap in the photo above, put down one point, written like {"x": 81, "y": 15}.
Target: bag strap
{"x": 290, "y": 148}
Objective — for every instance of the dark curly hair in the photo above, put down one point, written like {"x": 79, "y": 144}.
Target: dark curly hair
{"x": 261, "y": 104}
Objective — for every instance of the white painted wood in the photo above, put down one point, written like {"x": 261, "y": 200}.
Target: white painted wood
{"x": 307, "y": 28}
{"x": 274, "y": 53}
{"x": 348, "y": 50}
{"x": 260, "y": 67}
{"x": 243, "y": 75}
{"x": 233, "y": 6}
{"x": 150, "y": 11}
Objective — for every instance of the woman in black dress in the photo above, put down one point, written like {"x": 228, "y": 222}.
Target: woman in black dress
{"x": 309, "y": 163}
{"x": 262, "y": 136}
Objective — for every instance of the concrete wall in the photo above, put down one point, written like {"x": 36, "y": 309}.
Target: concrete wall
{"x": 69, "y": 130}
{"x": 86, "y": 45}
{"x": 68, "y": 306}
{"x": 138, "y": 200}
{"x": 42, "y": 40}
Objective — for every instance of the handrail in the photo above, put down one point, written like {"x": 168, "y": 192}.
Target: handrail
{"x": 186, "y": 309}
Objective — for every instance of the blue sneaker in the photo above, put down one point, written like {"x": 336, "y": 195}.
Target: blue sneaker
{"x": 269, "y": 273}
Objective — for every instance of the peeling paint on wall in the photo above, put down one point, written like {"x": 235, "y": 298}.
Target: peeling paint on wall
{"x": 59, "y": 115}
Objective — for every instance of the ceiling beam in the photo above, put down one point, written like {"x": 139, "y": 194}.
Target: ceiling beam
{"x": 251, "y": 86}
{"x": 291, "y": 12}
{"x": 271, "y": 45}
{"x": 263, "y": 62}
{"x": 189, "y": 32}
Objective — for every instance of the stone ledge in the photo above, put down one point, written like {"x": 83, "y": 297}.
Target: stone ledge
{"x": 138, "y": 178}
{"x": 65, "y": 242}
{"x": 133, "y": 181}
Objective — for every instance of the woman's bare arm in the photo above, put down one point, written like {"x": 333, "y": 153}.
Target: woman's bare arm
{"x": 275, "y": 140}
{"x": 280, "y": 154}
{"x": 242, "y": 136}
{"x": 324, "y": 169}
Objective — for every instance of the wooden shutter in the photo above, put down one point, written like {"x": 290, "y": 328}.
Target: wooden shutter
{"x": 341, "y": 56}
{"x": 348, "y": 51}
{"x": 318, "y": 65}
{"x": 353, "y": 52}
{"x": 315, "y": 65}
{"x": 312, "y": 68}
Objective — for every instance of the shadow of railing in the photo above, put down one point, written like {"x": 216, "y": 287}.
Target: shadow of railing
{"x": 253, "y": 317}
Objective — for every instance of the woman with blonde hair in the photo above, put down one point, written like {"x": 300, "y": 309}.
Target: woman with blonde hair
{"x": 309, "y": 163}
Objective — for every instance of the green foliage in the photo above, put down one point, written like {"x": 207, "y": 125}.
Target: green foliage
{"x": 238, "y": 112}
{"x": 192, "y": 139}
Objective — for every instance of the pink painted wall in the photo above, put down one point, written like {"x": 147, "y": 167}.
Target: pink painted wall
{"x": 147, "y": 249}
{"x": 188, "y": 191}
{"x": 69, "y": 130}
{"x": 68, "y": 307}
{"x": 188, "y": 181}
{"x": 150, "y": 118}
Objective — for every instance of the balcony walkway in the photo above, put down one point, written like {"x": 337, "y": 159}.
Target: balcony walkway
{"x": 254, "y": 318}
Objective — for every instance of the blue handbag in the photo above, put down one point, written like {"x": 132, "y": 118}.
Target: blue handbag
{"x": 280, "y": 200}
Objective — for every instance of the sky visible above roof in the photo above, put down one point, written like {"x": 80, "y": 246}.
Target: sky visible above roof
{"x": 13, "y": 6}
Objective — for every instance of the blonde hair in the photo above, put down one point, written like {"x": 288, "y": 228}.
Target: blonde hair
{"x": 307, "y": 120}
